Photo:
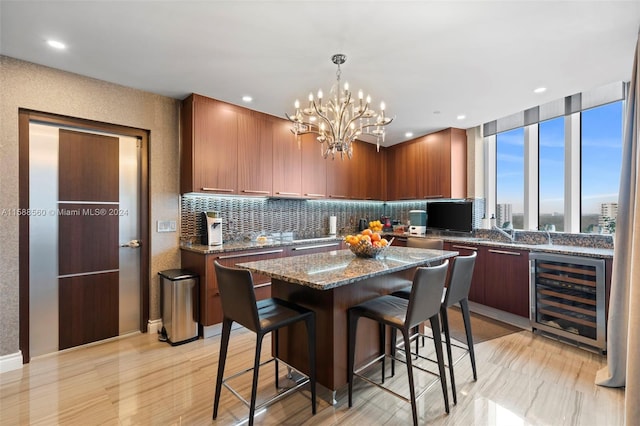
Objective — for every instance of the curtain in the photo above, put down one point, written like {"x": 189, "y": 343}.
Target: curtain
{"x": 623, "y": 332}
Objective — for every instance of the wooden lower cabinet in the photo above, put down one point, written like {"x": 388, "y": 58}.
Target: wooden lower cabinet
{"x": 506, "y": 280}
{"x": 202, "y": 264}
{"x": 476, "y": 292}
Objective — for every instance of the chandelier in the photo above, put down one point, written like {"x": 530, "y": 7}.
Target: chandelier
{"x": 340, "y": 119}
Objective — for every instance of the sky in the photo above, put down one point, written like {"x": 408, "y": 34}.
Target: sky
{"x": 601, "y": 158}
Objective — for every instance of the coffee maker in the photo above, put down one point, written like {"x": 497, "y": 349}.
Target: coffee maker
{"x": 213, "y": 224}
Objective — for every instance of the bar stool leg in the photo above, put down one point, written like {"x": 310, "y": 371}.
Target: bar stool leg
{"x": 447, "y": 338}
{"x": 464, "y": 307}
{"x": 412, "y": 390}
{"x": 352, "y": 321}
{"x": 311, "y": 333}
{"x": 435, "y": 326}
{"x": 276, "y": 341}
{"x": 224, "y": 345}
{"x": 383, "y": 343}
{"x": 254, "y": 384}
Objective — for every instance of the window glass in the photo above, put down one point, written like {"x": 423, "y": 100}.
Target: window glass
{"x": 551, "y": 175}
{"x": 601, "y": 157}
{"x": 510, "y": 178}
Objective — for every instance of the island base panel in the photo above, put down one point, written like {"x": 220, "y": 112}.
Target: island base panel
{"x": 331, "y": 307}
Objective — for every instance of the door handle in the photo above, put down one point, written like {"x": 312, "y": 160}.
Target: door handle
{"x": 131, "y": 244}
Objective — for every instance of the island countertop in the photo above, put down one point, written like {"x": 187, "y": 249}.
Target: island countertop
{"x": 324, "y": 271}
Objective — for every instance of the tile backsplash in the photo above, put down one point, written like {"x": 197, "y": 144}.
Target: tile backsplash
{"x": 245, "y": 218}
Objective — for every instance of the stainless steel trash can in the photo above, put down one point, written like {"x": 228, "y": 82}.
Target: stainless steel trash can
{"x": 179, "y": 304}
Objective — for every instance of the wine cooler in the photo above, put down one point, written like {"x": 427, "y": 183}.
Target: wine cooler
{"x": 568, "y": 298}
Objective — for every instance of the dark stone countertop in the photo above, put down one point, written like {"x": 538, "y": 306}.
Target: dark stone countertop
{"x": 324, "y": 271}
{"x": 570, "y": 250}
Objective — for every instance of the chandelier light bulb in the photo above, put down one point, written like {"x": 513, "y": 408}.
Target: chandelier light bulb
{"x": 368, "y": 99}
{"x": 320, "y": 95}
{"x": 310, "y": 97}
{"x": 382, "y": 106}
{"x": 296, "y": 104}
{"x": 360, "y": 94}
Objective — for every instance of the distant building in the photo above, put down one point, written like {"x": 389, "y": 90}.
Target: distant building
{"x": 608, "y": 212}
{"x": 504, "y": 214}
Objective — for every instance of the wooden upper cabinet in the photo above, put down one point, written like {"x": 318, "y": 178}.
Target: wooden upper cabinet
{"x": 255, "y": 154}
{"x": 210, "y": 146}
{"x": 287, "y": 161}
{"x": 367, "y": 172}
{"x": 403, "y": 171}
{"x": 339, "y": 176}
{"x": 443, "y": 164}
{"x": 314, "y": 168}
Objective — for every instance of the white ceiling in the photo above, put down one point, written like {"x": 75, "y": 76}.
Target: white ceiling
{"x": 430, "y": 61}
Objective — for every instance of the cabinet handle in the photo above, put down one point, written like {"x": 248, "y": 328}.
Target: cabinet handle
{"x": 466, "y": 248}
{"x": 287, "y": 193}
{"x": 434, "y": 196}
{"x": 511, "y": 253}
{"x": 217, "y": 189}
{"x": 314, "y": 247}
{"x": 407, "y": 198}
{"x": 263, "y": 285}
{"x": 251, "y": 191}
{"x": 337, "y": 196}
{"x": 234, "y": 256}
{"x": 315, "y": 195}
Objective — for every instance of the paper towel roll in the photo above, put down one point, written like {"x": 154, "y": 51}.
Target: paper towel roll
{"x": 332, "y": 225}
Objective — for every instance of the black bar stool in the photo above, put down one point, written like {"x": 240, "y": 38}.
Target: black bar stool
{"x": 456, "y": 292}
{"x": 403, "y": 315}
{"x": 239, "y": 304}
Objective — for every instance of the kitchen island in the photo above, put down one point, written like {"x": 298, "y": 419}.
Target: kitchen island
{"x": 329, "y": 283}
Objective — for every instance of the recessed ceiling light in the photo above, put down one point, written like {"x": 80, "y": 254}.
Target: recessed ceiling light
{"x": 408, "y": 135}
{"x": 540, "y": 90}
{"x": 247, "y": 98}
{"x": 436, "y": 112}
{"x": 56, "y": 44}
{"x": 461, "y": 117}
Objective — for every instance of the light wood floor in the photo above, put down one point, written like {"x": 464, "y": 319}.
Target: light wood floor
{"x": 523, "y": 379}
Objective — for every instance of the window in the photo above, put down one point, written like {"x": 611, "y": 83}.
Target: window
{"x": 557, "y": 166}
{"x": 551, "y": 175}
{"x": 601, "y": 157}
{"x": 510, "y": 178}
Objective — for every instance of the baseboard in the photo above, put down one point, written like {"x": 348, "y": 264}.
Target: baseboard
{"x": 154, "y": 326}
{"x": 11, "y": 362}
{"x": 499, "y": 315}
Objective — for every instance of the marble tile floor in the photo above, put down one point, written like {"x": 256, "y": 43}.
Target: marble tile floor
{"x": 523, "y": 379}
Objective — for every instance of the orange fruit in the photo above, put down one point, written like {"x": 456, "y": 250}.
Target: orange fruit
{"x": 383, "y": 242}
{"x": 375, "y": 237}
{"x": 367, "y": 232}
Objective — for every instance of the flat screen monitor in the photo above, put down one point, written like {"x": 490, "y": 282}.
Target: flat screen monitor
{"x": 450, "y": 215}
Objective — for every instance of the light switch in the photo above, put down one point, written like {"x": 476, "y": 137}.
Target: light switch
{"x": 167, "y": 226}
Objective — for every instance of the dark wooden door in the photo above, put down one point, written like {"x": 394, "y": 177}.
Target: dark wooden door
{"x": 88, "y": 193}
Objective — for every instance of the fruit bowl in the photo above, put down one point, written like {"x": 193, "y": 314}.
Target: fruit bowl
{"x": 364, "y": 248}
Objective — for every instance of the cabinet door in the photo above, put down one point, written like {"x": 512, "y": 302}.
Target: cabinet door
{"x": 314, "y": 168}
{"x": 261, "y": 283}
{"x": 507, "y": 280}
{"x": 403, "y": 170}
{"x": 339, "y": 177}
{"x": 367, "y": 174}
{"x": 255, "y": 154}
{"x": 476, "y": 292}
{"x": 434, "y": 178}
{"x": 215, "y": 146}
{"x": 287, "y": 161}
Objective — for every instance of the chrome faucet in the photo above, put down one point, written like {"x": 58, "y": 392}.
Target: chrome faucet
{"x": 511, "y": 237}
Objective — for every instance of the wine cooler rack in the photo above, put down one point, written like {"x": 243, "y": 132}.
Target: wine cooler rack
{"x": 568, "y": 297}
